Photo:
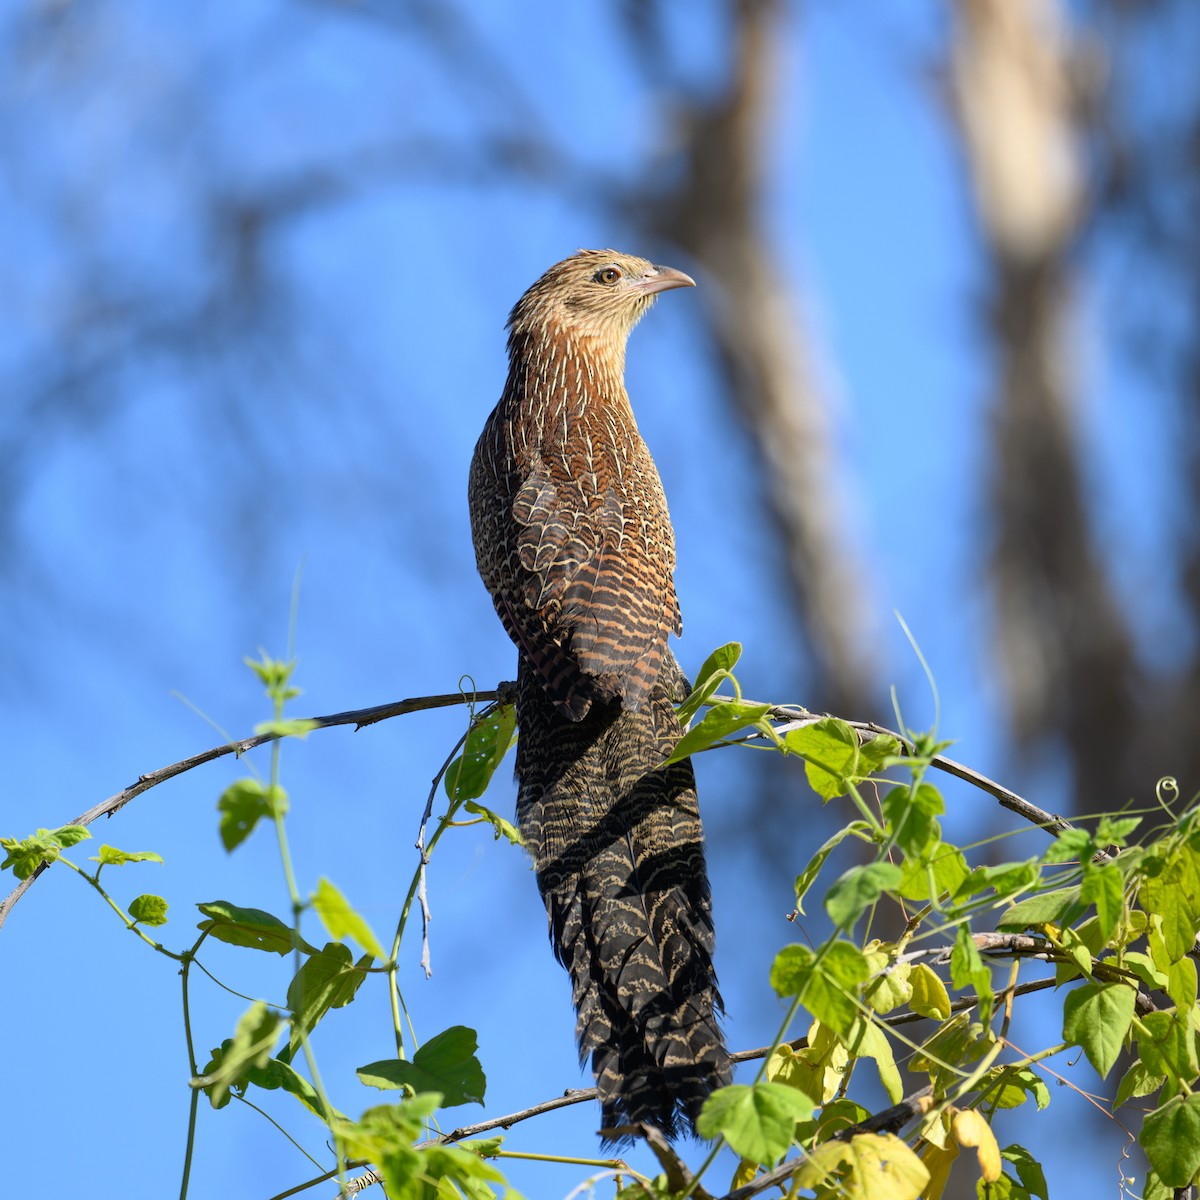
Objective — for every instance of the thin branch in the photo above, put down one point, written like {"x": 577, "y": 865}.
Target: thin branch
{"x": 505, "y": 693}
{"x": 569, "y": 1097}
{"x": 796, "y": 718}
{"x": 358, "y": 717}
{"x": 889, "y": 1120}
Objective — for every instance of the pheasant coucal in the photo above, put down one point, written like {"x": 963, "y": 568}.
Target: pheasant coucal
{"x": 574, "y": 542}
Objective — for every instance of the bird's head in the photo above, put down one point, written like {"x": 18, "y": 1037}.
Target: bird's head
{"x": 593, "y": 294}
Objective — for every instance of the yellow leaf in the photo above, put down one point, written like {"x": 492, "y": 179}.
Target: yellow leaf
{"x": 937, "y": 1162}
{"x": 929, "y": 996}
{"x": 970, "y": 1129}
{"x": 746, "y": 1171}
{"x": 871, "y": 1166}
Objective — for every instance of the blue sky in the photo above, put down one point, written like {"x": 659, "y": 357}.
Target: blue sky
{"x": 157, "y": 535}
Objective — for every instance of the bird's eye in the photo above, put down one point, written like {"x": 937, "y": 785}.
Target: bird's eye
{"x": 607, "y": 275}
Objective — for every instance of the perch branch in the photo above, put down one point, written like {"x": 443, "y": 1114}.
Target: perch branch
{"x": 505, "y": 692}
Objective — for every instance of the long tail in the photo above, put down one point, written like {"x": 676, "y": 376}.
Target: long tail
{"x": 619, "y": 853}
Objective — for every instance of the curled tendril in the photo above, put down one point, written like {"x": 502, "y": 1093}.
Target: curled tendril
{"x": 1168, "y": 785}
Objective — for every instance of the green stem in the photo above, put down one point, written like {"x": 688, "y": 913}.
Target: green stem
{"x": 191, "y": 1143}
{"x": 267, "y": 1116}
{"x": 610, "y": 1164}
{"x": 444, "y": 823}
{"x": 188, "y": 957}
{"x": 126, "y": 919}
{"x": 297, "y": 909}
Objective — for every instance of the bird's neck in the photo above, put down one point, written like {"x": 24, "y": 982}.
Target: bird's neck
{"x": 563, "y": 378}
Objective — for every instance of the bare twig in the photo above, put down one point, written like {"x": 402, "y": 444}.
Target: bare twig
{"x": 423, "y": 850}
{"x": 569, "y": 1097}
{"x": 358, "y": 717}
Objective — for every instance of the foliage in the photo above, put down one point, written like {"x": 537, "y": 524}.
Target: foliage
{"x": 1115, "y": 919}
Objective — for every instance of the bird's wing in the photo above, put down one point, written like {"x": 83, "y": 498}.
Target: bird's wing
{"x": 597, "y": 559}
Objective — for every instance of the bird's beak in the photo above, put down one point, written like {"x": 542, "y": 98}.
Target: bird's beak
{"x": 661, "y": 279}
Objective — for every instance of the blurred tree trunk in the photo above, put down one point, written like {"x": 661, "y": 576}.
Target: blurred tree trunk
{"x": 1149, "y": 181}
{"x": 764, "y": 352}
{"x": 1062, "y": 648}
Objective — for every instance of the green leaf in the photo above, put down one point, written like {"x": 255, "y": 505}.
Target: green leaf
{"x": 1115, "y": 831}
{"x": 857, "y": 889}
{"x": 500, "y": 827}
{"x": 830, "y": 751}
{"x": 483, "y": 1147}
{"x": 276, "y": 1074}
{"x": 944, "y": 863}
{"x": 758, "y": 1120}
{"x": 1103, "y": 886}
{"x": 832, "y": 986}
{"x": 110, "y": 856}
{"x": 967, "y": 968}
{"x": 912, "y": 814}
{"x": 1142, "y": 965}
{"x": 1181, "y": 983}
{"x": 297, "y": 727}
{"x": 956, "y": 1041}
{"x": 1046, "y": 908}
{"x": 249, "y": 927}
{"x": 243, "y": 804}
{"x": 328, "y": 979}
{"x": 387, "y": 1127}
{"x": 1077, "y": 950}
{"x": 341, "y": 920}
{"x": 1029, "y": 1170}
{"x": 250, "y": 1046}
{"x": 867, "y": 1040}
{"x": 1171, "y": 1138}
{"x": 826, "y": 986}
{"x": 70, "y": 835}
{"x": 148, "y": 910}
{"x": 1155, "y": 1189}
{"x": 714, "y": 671}
{"x": 791, "y": 970}
{"x": 719, "y": 722}
{"x": 1174, "y": 896}
{"x": 1070, "y": 845}
{"x": 447, "y": 1064}
{"x": 1010, "y": 1087}
{"x": 384, "y": 1135}
{"x": 877, "y": 753}
{"x": 272, "y": 673}
{"x": 1097, "y": 1016}
{"x": 890, "y": 985}
{"x": 1168, "y": 1046}
{"x": 838, "y": 1115}
{"x": 25, "y": 855}
{"x": 1136, "y": 1082}
{"x": 487, "y": 743}
{"x": 808, "y": 876}
{"x": 1005, "y": 878}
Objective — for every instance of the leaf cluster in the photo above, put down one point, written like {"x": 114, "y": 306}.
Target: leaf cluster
{"x": 926, "y": 952}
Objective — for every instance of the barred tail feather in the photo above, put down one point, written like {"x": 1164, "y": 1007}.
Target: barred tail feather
{"x": 618, "y": 847}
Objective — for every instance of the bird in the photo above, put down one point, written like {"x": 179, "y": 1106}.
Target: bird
{"x": 574, "y": 542}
